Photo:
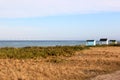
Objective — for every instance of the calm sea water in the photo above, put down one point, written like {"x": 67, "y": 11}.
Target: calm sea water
{"x": 40, "y": 43}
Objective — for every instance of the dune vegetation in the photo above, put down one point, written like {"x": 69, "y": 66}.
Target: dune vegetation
{"x": 58, "y": 63}
{"x": 37, "y": 52}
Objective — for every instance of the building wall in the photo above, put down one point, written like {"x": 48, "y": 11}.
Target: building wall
{"x": 91, "y": 43}
{"x": 105, "y": 42}
{"x": 113, "y": 42}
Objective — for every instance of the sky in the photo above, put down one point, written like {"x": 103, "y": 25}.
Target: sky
{"x": 59, "y": 19}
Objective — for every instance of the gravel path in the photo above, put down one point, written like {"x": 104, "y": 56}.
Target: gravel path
{"x": 113, "y": 76}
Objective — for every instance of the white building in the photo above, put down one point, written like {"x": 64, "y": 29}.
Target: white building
{"x": 90, "y": 42}
{"x": 104, "y": 41}
{"x": 112, "y": 41}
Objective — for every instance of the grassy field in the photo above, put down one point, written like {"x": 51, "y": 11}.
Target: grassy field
{"x": 70, "y": 63}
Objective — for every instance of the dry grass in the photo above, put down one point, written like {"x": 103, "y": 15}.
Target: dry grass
{"x": 81, "y": 66}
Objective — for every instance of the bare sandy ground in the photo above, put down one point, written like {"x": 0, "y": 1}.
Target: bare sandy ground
{"x": 112, "y": 76}
{"x": 84, "y": 65}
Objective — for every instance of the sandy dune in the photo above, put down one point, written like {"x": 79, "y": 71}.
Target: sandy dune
{"x": 84, "y": 65}
{"x": 112, "y": 76}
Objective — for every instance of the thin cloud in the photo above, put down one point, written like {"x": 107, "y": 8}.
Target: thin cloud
{"x": 39, "y": 8}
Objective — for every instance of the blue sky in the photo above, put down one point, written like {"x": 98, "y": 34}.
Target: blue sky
{"x": 59, "y": 20}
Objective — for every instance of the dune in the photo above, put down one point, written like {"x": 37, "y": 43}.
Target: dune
{"x": 83, "y": 65}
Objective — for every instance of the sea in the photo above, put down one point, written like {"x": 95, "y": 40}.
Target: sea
{"x": 40, "y": 43}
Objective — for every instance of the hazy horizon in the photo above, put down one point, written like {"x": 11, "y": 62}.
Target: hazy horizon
{"x": 59, "y": 20}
